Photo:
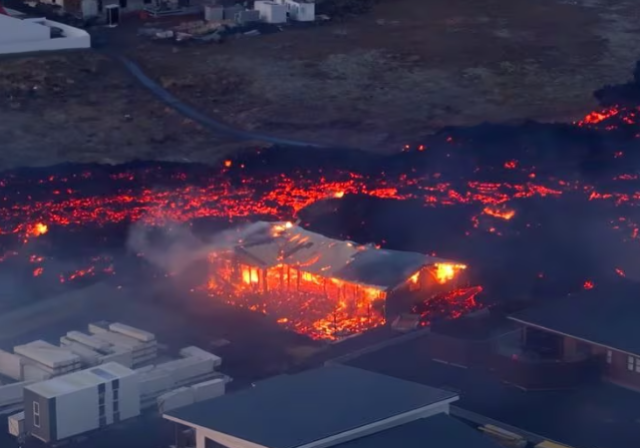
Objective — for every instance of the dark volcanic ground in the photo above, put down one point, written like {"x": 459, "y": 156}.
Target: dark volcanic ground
{"x": 572, "y": 190}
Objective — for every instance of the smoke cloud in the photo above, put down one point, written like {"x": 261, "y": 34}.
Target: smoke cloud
{"x": 175, "y": 246}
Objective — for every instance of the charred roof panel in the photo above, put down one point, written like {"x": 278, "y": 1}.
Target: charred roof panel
{"x": 274, "y": 243}
{"x": 606, "y": 316}
{"x": 438, "y": 431}
{"x": 386, "y": 268}
{"x": 293, "y": 410}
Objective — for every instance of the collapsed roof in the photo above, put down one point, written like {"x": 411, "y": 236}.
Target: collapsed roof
{"x": 272, "y": 243}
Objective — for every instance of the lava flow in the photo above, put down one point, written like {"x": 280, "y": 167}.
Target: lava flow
{"x": 551, "y": 204}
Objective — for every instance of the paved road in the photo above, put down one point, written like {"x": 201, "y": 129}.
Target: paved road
{"x": 201, "y": 118}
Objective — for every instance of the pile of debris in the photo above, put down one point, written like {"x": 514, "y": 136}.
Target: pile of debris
{"x": 203, "y": 31}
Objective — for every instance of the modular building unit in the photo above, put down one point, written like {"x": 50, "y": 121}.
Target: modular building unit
{"x": 79, "y": 402}
{"x": 271, "y": 12}
{"x": 135, "y": 333}
{"x": 300, "y": 10}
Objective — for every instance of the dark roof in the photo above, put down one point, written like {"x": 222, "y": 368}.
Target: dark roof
{"x": 606, "y": 316}
{"x": 438, "y": 431}
{"x": 287, "y": 412}
{"x": 383, "y": 267}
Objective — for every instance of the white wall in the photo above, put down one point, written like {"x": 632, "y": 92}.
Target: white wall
{"x": 75, "y": 38}
{"x": 10, "y": 365}
{"x": 129, "y": 397}
{"x": 77, "y": 412}
{"x": 14, "y": 31}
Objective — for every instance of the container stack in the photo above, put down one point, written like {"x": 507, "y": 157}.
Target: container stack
{"x": 175, "y": 399}
{"x": 49, "y": 358}
{"x": 89, "y": 356}
{"x": 195, "y": 352}
{"x": 209, "y": 389}
{"x": 142, "y": 345}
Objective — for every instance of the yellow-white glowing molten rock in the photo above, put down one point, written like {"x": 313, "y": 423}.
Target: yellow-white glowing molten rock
{"x": 447, "y": 271}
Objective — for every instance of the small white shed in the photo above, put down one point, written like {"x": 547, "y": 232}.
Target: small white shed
{"x": 271, "y": 12}
{"x": 300, "y": 10}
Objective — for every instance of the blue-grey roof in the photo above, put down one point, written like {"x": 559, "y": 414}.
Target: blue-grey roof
{"x": 438, "y": 431}
{"x": 383, "y": 267}
{"x": 287, "y": 412}
{"x": 606, "y": 316}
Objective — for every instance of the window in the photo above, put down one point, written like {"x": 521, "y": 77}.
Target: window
{"x": 633, "y": 364}
{"x": 101, "y": 388}
{"x": 101, "y": 398}
{"x": 36, "y": 414}
{"x": 116, "y": 395}
{"x": 116, "y": 406}
{"x": 609, "y": 356}
{"x": 101, "y": 410}
{"x": 103, "y": 421}
{"x": 116, "y": 384}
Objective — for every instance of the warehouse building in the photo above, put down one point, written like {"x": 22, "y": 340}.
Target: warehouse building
{"x": 334, "y": 406}
{"x": 80, "y": 402}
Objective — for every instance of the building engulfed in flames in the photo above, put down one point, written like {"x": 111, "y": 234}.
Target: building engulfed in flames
{"x": 321, "y": 287}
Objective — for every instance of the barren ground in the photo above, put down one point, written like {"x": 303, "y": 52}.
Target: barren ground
{"x": 406, "y": 69}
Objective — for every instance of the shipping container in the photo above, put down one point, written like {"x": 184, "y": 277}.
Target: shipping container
{"x": 98, "y": 327}
{"x": 195, "y": 352}
{"x": 120, "y": 340}
{"x": 119, "y": 355}
{"x": 175, "y": 399}
{"x": 88, "y": 356}
{"x": 136, "y": 333}
{"x": 32, "y": 372}
{"x": 155, "y": 383}
{"x": 47, "y": 354}
{"x": 11, "y": 365}
{"x": 209, "y": 389}
{"x": 89, "y": 341}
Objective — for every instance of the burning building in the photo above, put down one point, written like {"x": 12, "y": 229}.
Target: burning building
{"x": 321, "y": 287}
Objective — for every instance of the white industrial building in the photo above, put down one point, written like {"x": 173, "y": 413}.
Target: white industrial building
{"x": 27, "y": 35}
{"x": 80, "y": 402}
{"x": 194, "y": 374}
{"x": 271, "y": 11}
{"x": 334, "y": 406}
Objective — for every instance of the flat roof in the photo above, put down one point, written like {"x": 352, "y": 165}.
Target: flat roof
{"x": 606, "y": 316}
{"x": 438, "y": 431}
{"x": 293, "y": 410}
{"x": 82, "y": 379}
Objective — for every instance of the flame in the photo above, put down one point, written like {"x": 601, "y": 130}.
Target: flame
{"x": 445, "y": 272}
{"x": 319, "y": 307}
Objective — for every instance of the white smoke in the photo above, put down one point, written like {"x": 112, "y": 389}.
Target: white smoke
{"x": 175, "y": 247}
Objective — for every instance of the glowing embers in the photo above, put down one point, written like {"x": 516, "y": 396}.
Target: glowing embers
{"x": 499, "y": 212}
{"x": 449, "y": 305}
{"x": 316, "y": 306}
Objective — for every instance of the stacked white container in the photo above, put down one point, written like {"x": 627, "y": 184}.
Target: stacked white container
{"x": 49, "y": 358}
